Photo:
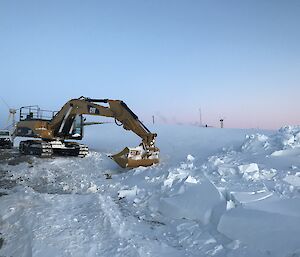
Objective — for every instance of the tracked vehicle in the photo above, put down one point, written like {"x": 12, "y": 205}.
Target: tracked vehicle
{"x": 55, "y": 129}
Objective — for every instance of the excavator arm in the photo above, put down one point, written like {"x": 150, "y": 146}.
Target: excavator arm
{"x": 144, "y": 155}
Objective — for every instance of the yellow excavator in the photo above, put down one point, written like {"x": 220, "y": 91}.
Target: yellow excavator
{"x": 54, "y": 128}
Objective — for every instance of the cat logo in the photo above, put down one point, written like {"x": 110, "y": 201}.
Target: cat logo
{"x": 92, "y": 110}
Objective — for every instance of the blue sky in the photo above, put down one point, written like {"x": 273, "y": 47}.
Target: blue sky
{"x": 236, "y": 59}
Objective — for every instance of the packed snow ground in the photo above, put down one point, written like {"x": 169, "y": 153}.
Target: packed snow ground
{"x": 216, "y": 192}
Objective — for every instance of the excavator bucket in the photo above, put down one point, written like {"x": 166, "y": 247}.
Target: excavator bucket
{"x": 135, "y": 157}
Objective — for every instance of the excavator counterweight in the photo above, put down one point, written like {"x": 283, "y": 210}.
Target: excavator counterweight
{"x": 67, "y": 124}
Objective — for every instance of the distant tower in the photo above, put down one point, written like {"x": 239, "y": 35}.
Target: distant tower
{"x": 200, "y": 117}
{"x": 222, "y": 123}
{"x": 12, "y": 113}
{"x": 153, "y": 119}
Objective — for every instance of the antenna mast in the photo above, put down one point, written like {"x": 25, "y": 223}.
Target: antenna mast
{"x": 200, "y": 117}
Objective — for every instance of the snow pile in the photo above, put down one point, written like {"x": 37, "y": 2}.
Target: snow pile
{"x": 216, "y": 192}
{"x": 287, "y": 137}
{"x": 256, "y": 143}
{"x": 259, "y": 160}
{"x": 263, "y": 207}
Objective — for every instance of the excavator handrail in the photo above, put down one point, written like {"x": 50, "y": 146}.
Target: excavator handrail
{"x": 35, "y": 112}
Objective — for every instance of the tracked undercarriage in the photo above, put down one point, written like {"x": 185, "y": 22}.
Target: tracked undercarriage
{"x": 50, "y": 148}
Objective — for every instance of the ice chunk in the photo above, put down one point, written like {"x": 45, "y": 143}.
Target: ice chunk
{"x": 247, "y": 197}
{"x": 274, "y": 204}
{"x": 191, "y": 179}
{"x": 248, "y": 168}
{"x": 230, "y": 205}
{"x": 277, "y": 234}
{"x": 255, "y": 143}
{"x": 293, "y": 180}
{"x": 128, "y": 193}
{"x": 190, "y": 158}
{"x": 201, "y": 201}
{"x": 92, "y": 189}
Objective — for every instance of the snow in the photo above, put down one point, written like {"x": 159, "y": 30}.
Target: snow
{"x": 270, "y": 233}
{"x": 128, "y": 193}
{"x": 293, "y": 180}
{"x": 248, "y": 168}
{"x": 199, "y": 201}
{"x": 216, "y": 192}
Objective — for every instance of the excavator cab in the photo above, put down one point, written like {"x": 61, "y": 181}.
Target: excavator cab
{"x": 76, "y": 130}
{"x": 72, "y": 128}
